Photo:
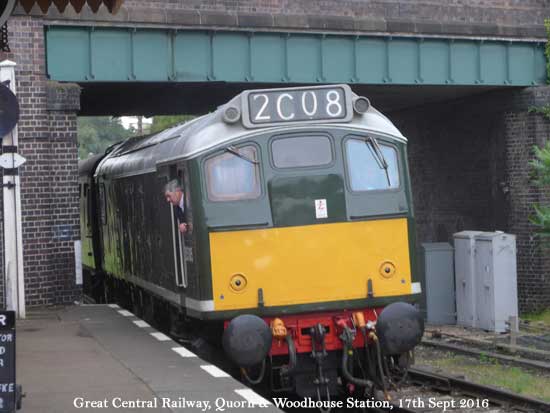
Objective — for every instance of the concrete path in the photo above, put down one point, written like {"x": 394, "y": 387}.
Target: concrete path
{"x": 102, "y": 358}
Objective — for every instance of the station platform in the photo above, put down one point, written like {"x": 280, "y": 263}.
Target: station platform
{"x": 103, "y": 358}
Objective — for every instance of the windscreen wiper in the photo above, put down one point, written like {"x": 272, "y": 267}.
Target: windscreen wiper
{"x": 373, "y": 145}
{"x": 235, "y": 151}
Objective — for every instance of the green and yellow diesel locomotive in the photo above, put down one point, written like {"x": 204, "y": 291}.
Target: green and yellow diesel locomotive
{"x": 300, "y": 253}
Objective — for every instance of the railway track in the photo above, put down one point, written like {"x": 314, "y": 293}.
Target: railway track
{"x": 431, "y": 392}
{"x": 468, "y": 350}
{"x": 523, "y": 356}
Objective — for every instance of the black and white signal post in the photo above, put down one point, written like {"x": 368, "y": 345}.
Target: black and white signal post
{"x": 10, "y": 161}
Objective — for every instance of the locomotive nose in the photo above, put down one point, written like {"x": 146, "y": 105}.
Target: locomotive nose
{"x": 247, "y": 340}
{"x": 400, "y": 327}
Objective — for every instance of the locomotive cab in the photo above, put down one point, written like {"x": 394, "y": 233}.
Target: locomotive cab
{"x": 308, "y": 222}
{"x": 301, "y": 235}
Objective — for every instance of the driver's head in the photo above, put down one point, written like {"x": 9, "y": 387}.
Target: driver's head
{"x": 173, "y": 192}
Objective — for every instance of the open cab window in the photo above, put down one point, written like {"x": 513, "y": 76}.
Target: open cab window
{"x": 233, "y": 175}
{"x": 372, "y": 165}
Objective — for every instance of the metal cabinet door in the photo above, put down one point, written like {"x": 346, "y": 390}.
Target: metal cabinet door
{"x": 465, "y": 278}
{"x": 485, "y": 297}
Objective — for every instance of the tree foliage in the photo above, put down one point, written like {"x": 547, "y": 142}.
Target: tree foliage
{"x": 547, "y": 49}
{"x": 95, "y": 134}
{"x": 163, "y": 122}
{"x": 541, "y": 169}
{"x": 544, "y": 110}
{"x": 541, "y": 163}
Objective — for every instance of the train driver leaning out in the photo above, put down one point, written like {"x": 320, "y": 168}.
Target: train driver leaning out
{"x": 173, "y": 192}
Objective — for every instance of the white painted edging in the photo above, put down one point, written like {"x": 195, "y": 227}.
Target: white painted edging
{"x": 249, "y": 395}
{"x": 182, "y": 351}
{"x": 125, "y": 313}
{"x": 214, "y": 371}
{"x": 161, "y": 336}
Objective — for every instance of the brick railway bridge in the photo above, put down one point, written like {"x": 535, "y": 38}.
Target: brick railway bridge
{"x": 457, "y": 77}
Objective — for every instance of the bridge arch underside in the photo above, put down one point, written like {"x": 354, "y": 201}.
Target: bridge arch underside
{"x": 202, "y": 68}
{"x": 463, "y": 104}
{"x": 166, "y": 98}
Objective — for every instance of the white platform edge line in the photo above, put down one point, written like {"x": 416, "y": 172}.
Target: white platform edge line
{"x": 182, "y": 351}
{"x": 125, "y": 313}
{"x": 214, "y": 371}
{"x": 252, "y": 397}
{"x": 161, "y": 336}
{"x": 141, "y": 324}
{"x": 113, "y": 305}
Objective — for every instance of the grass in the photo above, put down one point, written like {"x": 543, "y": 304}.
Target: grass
{"x": 543, "y": 316}
{"x": 488, "y": 371}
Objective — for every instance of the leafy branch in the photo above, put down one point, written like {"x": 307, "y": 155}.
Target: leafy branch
{"x": 541, "y": 165}
{"x": 547, "y": 49}
{"x": 541, "y": 171}
{"x": 545, "y": 109}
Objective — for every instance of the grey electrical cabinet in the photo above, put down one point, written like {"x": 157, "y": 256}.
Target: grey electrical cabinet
{"x": 437, "y": 263}
{"x": 495, "y": 280}
{"x": 464, "y": 244}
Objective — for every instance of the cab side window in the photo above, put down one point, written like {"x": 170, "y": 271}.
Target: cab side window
{"x": 233, "y": 175}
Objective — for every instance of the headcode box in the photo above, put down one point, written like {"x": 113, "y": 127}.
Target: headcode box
{"x": 7, "y": 362}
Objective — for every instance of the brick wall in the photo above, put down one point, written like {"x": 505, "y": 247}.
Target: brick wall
{"x": 459, "y": 17}
{"x": 469, "y": 170}
{"x": 49, "y": 189}
{"x": 522, "y": 132}
{"x": 508, "y": 12}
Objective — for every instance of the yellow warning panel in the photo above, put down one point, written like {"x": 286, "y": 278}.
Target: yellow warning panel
{"x": 309, "y": 264}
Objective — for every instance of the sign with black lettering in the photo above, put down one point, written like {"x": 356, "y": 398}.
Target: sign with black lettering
{"x": 7, "y": 362}
{"x": 270, "y": 107}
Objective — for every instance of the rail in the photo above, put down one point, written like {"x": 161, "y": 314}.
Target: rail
{"x": 503, "y": 400}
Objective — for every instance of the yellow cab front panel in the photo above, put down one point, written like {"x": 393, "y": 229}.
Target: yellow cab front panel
{"x": 310, "y": 264}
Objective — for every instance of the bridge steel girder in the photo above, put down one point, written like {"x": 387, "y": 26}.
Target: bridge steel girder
{"x": 106, "y": 54}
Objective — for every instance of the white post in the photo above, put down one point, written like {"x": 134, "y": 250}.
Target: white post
{"x": 513, "y": 322}
{"x": 13, "y": 241}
